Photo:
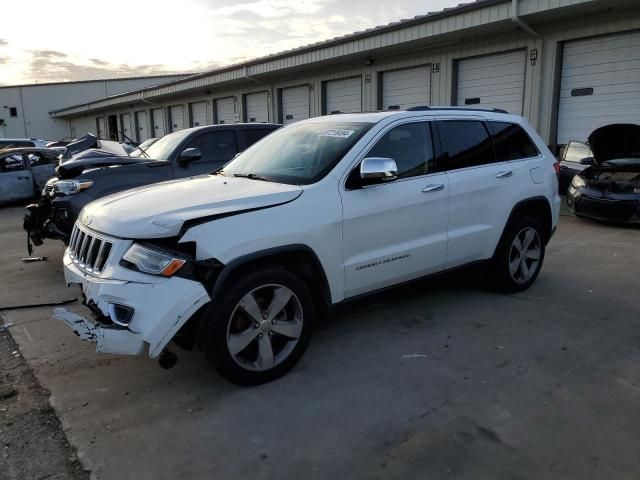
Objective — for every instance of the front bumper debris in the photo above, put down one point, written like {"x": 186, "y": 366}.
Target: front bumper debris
{"x": 159, "y": 307}
{"x": 109, "y": 340}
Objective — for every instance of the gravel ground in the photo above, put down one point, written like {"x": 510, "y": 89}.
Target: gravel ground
{"x": 32, "y": 442}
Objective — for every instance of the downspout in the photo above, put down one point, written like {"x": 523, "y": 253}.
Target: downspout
{"x": 518, "y": 21}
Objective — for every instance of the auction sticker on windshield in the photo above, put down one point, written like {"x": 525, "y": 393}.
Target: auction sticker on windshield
{"x": 337, "y": 132}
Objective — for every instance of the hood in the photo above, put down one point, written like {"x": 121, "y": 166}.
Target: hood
{"x": 159, "y": 210}
{"x": 94, "y": 158}
{"x": 620, "y": 140}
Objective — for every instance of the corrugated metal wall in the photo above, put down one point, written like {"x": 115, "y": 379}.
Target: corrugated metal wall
{"x": 540, "y": 82}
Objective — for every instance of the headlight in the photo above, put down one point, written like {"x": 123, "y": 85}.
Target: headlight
{"x": 578, "y": 182}
{"x": 71, "y": 187}
{"x": 153, "y": 261}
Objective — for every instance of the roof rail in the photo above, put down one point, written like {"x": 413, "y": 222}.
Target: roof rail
{"x": 464, "y": 109}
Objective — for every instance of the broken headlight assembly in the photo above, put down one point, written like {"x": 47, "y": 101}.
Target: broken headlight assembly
{"x": 71, "y": 187}
{"x": 578, "y": 182}
{"x": 152, "y": 261}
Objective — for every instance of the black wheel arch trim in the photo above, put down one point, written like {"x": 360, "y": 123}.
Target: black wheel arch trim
{"x": 236, "y": 263}
{"x": 514, "y": 211}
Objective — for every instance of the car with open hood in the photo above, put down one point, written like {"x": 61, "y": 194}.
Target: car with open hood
{"x": 239, "y": 263}
{"x": 609, "y": 189}
{"x": 100, "y": 170}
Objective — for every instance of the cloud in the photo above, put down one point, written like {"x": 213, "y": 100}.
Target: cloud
{"x": 97, "y": 61}
{"x": 53, "y": 66}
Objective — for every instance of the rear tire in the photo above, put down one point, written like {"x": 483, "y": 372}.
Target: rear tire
{"x": 519, "y": 256}
{"x": 258, "y": 329}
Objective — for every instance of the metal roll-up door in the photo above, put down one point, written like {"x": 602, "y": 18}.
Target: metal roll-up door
{"x": 409, "y": 87}
{"x": 176, "y": 113}
{"x": 198, "y": 114}
{"x": 101, "y": 130}
{"x": 343, "y": 96}
{"x": 492, "y": 81}
{"x": 157, "y": 120}
{"x": 599, "y": 84}
{"x": 225, "y": 110}
{"x": 295, "y": 104}
{"x": 257, "y": 107}
{"x": 142, "y": 126}
{"x": 125, "y": 128}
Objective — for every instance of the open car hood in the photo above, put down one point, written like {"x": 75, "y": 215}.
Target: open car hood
{"x": 94, "y": 158}
{"x": 160, "y": 210}
{"x": 615, "y": 141}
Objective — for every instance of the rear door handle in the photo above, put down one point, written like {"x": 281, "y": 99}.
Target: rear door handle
{"x": 504, "y": 174}
{"x": 433, "y": 188}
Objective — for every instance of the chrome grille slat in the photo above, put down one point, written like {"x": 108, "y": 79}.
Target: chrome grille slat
{"x": 89, "y": 251}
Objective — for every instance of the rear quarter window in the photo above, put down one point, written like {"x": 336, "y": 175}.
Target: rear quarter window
{"x": 466, "y": 143}
{"x": 511, "y": 142}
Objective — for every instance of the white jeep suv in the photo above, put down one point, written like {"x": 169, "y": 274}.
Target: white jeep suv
{"x": 238, "y": 263}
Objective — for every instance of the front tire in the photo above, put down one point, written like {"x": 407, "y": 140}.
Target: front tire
{"x": 259, "y": 328}
{"x": 519, "y": 257}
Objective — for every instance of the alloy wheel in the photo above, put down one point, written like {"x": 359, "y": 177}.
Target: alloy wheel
{"x": 265, "y": 327}
{"x": 524, "y": 255}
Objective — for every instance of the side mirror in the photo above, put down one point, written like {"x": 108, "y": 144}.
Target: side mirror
{"x": 189, "y": 155}
{"x": 587, "y": 161}
{"x": 378, "y": 170}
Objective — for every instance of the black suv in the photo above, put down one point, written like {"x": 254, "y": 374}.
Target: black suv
{"x": 186, "y": 153}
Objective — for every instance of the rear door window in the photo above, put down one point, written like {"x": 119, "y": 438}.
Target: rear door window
{"x": 466, "y": 143}
{"x": 410, "y": 146}
{"x": 511, "y": 142}
{"x": 216, "y": 146}
{"x": 252, "y": 135}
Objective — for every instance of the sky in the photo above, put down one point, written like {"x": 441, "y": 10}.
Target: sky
{"x": 63, "y": 40}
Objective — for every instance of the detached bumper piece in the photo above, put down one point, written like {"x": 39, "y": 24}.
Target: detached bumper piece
{"x": 107, "y": 339}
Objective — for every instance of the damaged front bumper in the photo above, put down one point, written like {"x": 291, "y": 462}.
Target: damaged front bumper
{"x": 135, "y": 313}
{"x": 50, "y": 217}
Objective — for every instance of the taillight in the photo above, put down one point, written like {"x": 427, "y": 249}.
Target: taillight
{"x": 556, "y": 167}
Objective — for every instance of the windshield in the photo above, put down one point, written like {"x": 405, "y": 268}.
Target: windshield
{"x": 298, "y": 154}
{"x": 165, "y": 146}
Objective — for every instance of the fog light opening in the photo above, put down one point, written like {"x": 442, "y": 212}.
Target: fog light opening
{"x": 120, "y": 314}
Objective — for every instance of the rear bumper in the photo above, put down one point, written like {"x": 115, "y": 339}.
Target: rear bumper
{"x": 605, "y": 209}
{"x": 159, "y": 307}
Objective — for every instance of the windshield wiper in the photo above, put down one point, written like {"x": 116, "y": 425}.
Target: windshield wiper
{"x": 252, "y": 176}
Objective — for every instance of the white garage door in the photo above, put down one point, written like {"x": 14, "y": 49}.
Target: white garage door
{"x": 600, "y": 84}
{"x": 492, "y": 81}
{"x": 176, "y": 113}
{"x": 406, "y": 88}
{"x": 157, "y": 119}
{"x": 198, "y": 114}
{"x": 257, "y": 107}
{"x": 225, "y": 110}
{"x": 142, "y": 126}
{"x": 100, "y": 127}
{"x": 343, "y": 96}
{"x": 125, "y": 127}
{"x": 295, "y": 104}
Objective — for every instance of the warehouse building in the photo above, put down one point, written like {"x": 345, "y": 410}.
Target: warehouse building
{"x": 568, "y": 66}
{"x": 24, "y": 109}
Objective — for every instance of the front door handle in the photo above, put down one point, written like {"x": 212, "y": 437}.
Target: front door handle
{"x": 433, "y": 188}
{"x": 504, "y": 174}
